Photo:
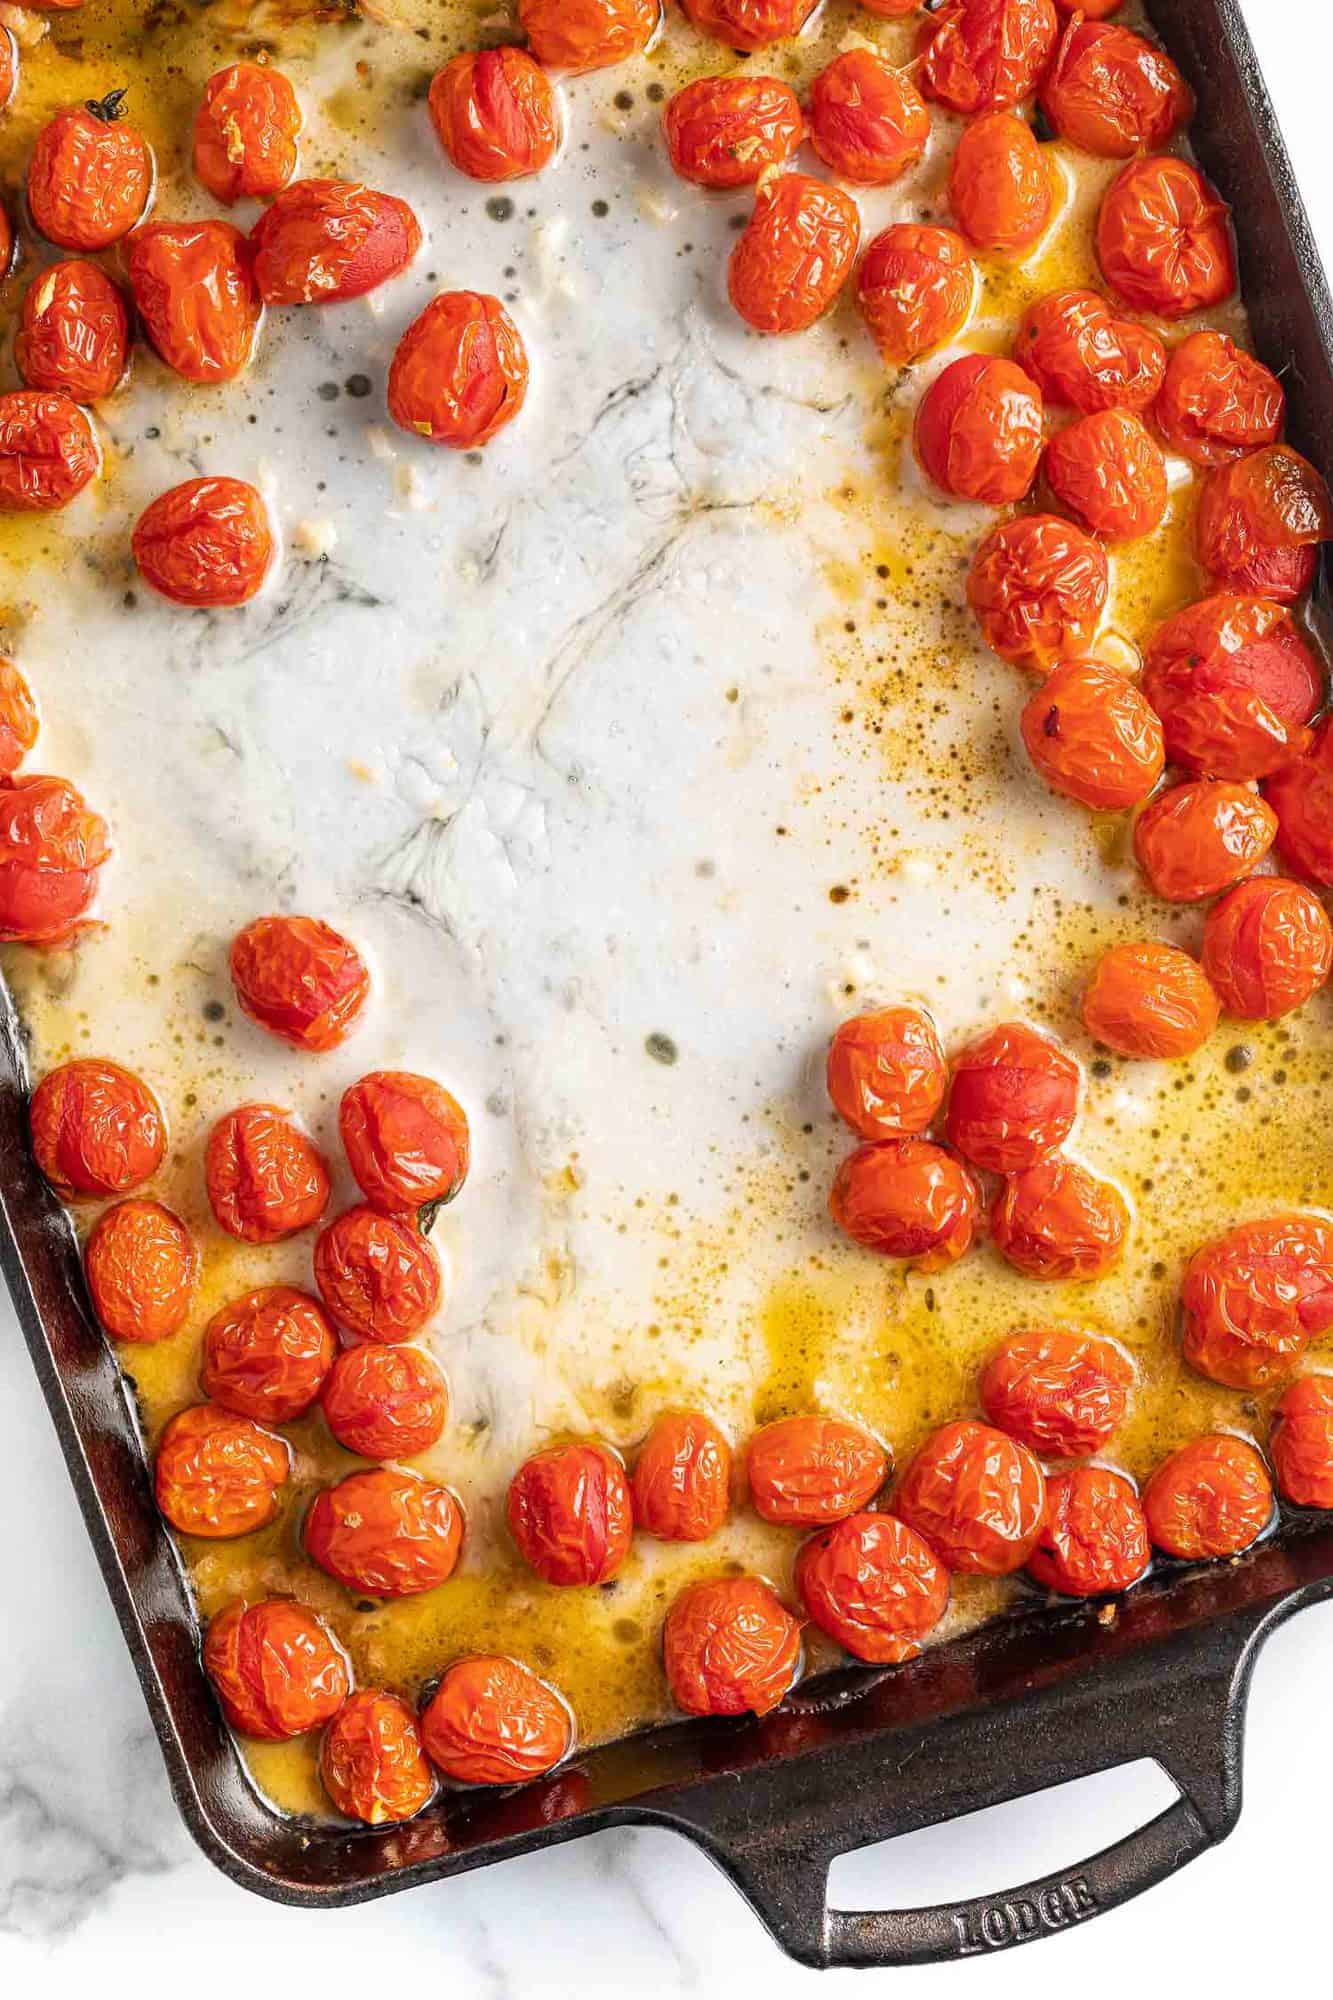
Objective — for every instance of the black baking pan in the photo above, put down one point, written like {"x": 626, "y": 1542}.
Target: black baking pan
{"x": 1027, "y": 1702}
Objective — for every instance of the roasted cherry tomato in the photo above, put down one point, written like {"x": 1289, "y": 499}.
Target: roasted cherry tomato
{"x": 1260, "y": 521}
{"x": 981, "y": 55}
{"x": 570, "y": 1513}
{"x": 327, "y": 240}
{"x": 1056, "y": 1220}
{"x": 794, "y": 254}
{"x": 874, "y": 1585}
{"x": 1253, "y": 1299}
{"x": 1059, "y": 1393}
{"x": 1164, "y": 239}
{"x": 1094, "y": 1537}
{"x": 90, "y": 176}
{"x": 1235, "y": 683}
{"x": 1038, "y": 587}
{"x": 276, "y": 1669}
{"x": 267, "y": 1354}
{"x": 890, "y": 10}
{"x": 1109, "y": 473}
{"x": 730, "y": 1647}
{"x": 1301, "y": 794}
{"x": 18, "y": 718}
{"x": 1013, "y": 1099}
{"x": 1077, "y": 351}
{"x": 1093, "y": 737}
{"x": 886, "y": 1072}
{"x": 266, "y": 1179}
{"x": 807, "y": 1471}
{"x": 1150, "y": 1001}
{"x": 681, "y": 1486}
{"x": 1111, "y": 93}
{"x": 1213, "y": 1497}
{"x": 492, "y": 1722}
{"x": 976, "y": 1496}
{"x": 867, "y": 119}
{"x": 906, "y": 1198}
{"x": 1196, "y": 839}
{"x": 723, "y": 131}
{"x": 141, "y": 1264}
{"x": 460, "y": 372}
{"x": 1000, "y": 187}
{"x": 73, "y": 334}
{"x": 1302, "y": 1442}
{"x": 51, "y": 847}
{"x": 748, "y": 24}
{"x": 385, "y": 1402}
{"x": 9, "y": 67}
{"x": 245, "y": 133}
{"x": 385, "y": 1533}
{"x": 371, "y": 1762}
{"x": 978, "y": 431}
{"x": 377, "y": 1276}
{"x": 1091, "y": 10}
{"x": 1267, "y": 947}
{"x": 207, "y": 542}
{"x": 97, "y": 1129}
{"x": 218, "y": 1475}
{"x": 494, "y": 112}
{"x": 914, "y": 289}
{"x": 588, "y": 34}
{"x": 300, "y": 979}
{"x": 406, "y": 1140}
{"x": 1217, "y": 401}
{"x": 48, "y": 452}
{"x": 193, "y": 283}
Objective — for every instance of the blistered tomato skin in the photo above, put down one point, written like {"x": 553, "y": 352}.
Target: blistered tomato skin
{"x": 1092, "y": 737}
{"x": 723, "y": 131}
{"x": 749, "y": 24}
{"x": 205, "y": 544}
{"x": 1301, "y": 794}
{"x": 983, "y": 55}
{"x": 385, "y": 1402}
{"x": 371, "y": 1762}
{"x": 1056, "y": 1220}
{"x": 1164, "y": 240}
{"x": 1094, "y": 1538}
{"x": 19, "y": 722}
{"x": 1196, "y": 839}
{"x": 874, "y": 1585}
{"x": 73, "y": 336}
{"x": 267, "y": 1354}
{"x": 1235, "y": 683}
{"x": 1061, "y": 1394}
{"x": 217, "y": 1475}
{"x": 245, "y": 133}
{"x": 794, "y": 254}
{"x": 807, "y": 1471}
{"x": 908, "y": 1199}
{"x": 570, "y": 1513}
{"x": 51, "y": 847}
{"x": 1038, "y": 586}
{"x": 460, "y": 372}
{"x": 376, "y": 1275}
{"x": 48, "y": 451}
{"x": 1267, "y": 948}
{"x": 275, "y": 1668}
{"x": 886, "y": 1072}
{"x": 141, "y": 1265}
{"x": 867, "y": 119}
{"x": 681, "y": 1485}
{"x": 1301, "y": 1444}
{"x": 493, "y": 1722}
{"x": 978, "y": 431}
{"x": 1112, "y": 93}
{"x": 1253, "y": 1299}
{"x": 914, "y": 289}
{"x": 1080, "y": 353}
{"x": 9, "y": 68}
{"x": 730, "y": 1647}
{"x": 193, "y": 284}
{"x": 1150, "y": 1002}
{"x": 580, "y": 35}
{"x": 1108, "y": 472}
{"x": 1213, "y": 1497}
{"x": 1000, "y": 187}
{"x": 265, "y": 1178}
{"x": 494, "y": 112}
{"x": 406, "y": 1140}
{"x": 325, "y": 240}
{"x": 1013, "y": 1099}
{"x": 976, "y": 1497}
{"x": 300, "y": 979}
{"x": 97, "y": 1129}
{"x": 385, "y": 1533}
{"x": 1259, "y": 523}
{"x": 90, "y": 176}
{"x": 1217, "y": 401}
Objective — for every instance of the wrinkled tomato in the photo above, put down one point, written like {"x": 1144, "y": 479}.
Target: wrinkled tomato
{"x": 1000, "y": 187}
{"x": 982, "y": 55}
{"x": 460, "y": 372}
{"x": 51, "y": 847}
{"x": 193, "y": 283}
{"x": 276, "y": 1669}
{"x": 325, "y": 240}
{"x": 570, "y": 1513}
{"x": 794, "y": 254}
{"x": 406, "y": 1140}
{"x": 1111, "y": 93}
{"x": 73, "y": 335}
{"x": 18, "y": 718}
{"x": 1164, "y": 239}
{"x": 886, "y": 1072}
{"x": 495, "y": 114}
{"x": 681, "y": 1487}
{"x": 1235, "y": 682}
{"x": 1095, "y": 1534}
{"x": 1150, "y": 1001}
{"x": 1253, "y": 1299}
{"x": 90, "y": 176}
{"x": 1093, "y": 737}
{"x": 377, "y": 1276}
{"x": 245, "y": 133}
{"x": 1302, "y": 1442}
{"x": 978, "y": 431}
{"x": 976, "y": 1496}
{"x": 1301, "y": 794}
{"x": 1038, "y": 586}
{"x": 588, "y": 34}
{"x": 914, "y": 289}
{"x": 9, "y": 67}
{"x": 1109, "y": 473}
{"x": 1057, "y": 1220}
{"x": 1260, "y": 521}
{"x": 266, "y": 1179}
{"x": 1217, "y": 401}
{"x": 723, "y": 131}
{"x": 492, "y": 1722}
{"x": 867, "y": 119}
{"x": 1213, "y": 1497}
{"x": 141, "y": 1265}
{"x": 874, "y": 1585}
{"x": 806, "y": 1471}
{"x": 1196, "y": 839}
{"x": 217, "y": 1475}
{"x": 371, "y": 1762}
{"x": 97, "y": 1129}
{"x": 385, "y": 1402}
{"x": 205, "y": 543}
{"x": 267, "y": 1354}
{"x": 1061, "y": 1394}
{"x": 906, "y": 1198}
{"x": 730, "y": 1646}
{"x": 1267, "y": 947}
{"x": 1013, "y": 1099}
{"x": 385, "y": 1533}
{"x": 300, "y": 979}
{"x": 1077, "y": 351}
{"x": 749, "y": 24}
{"x": 48, "y": 451}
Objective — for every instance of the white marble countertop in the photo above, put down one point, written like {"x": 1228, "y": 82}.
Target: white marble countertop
{"x": 99, "y": 1882}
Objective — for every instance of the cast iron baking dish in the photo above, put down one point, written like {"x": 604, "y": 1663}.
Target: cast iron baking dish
{"x": 1022, "y": 1704}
